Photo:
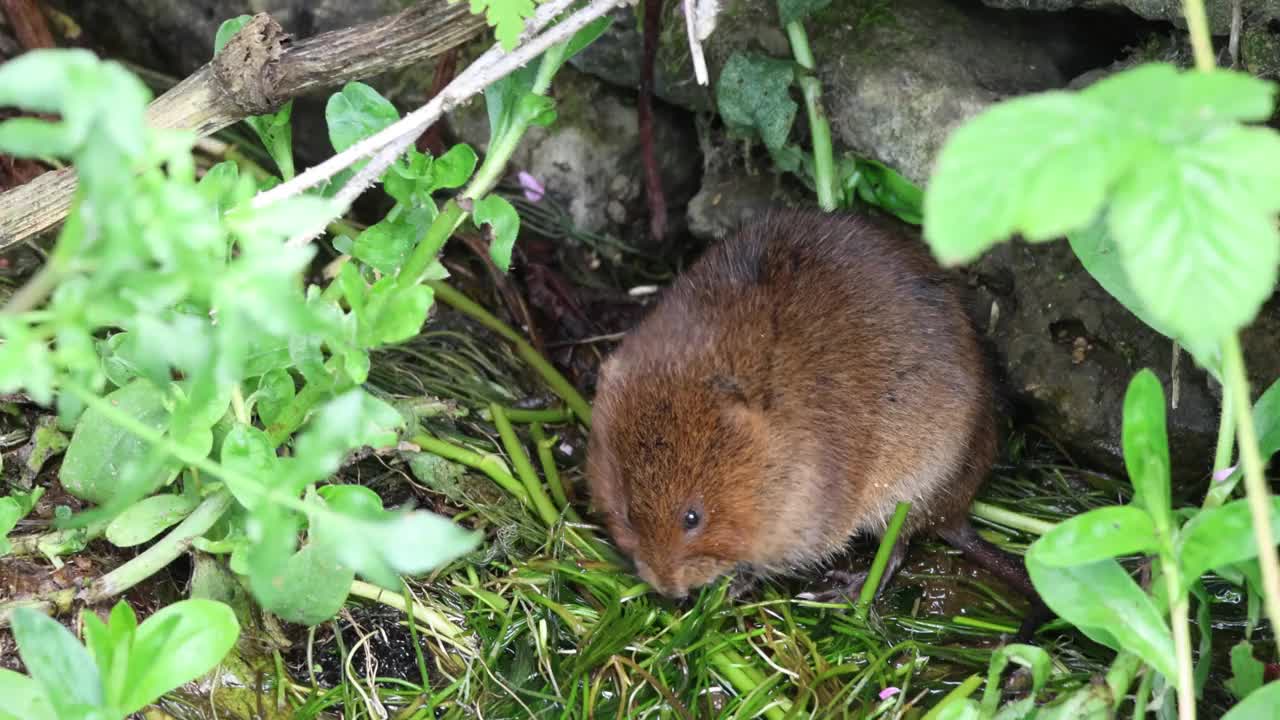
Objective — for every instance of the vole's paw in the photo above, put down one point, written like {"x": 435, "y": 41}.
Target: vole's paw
{"x": 844, "y": 586}
{"x": 743, "y": 584}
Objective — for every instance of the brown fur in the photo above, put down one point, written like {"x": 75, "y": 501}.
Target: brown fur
{"x": 799, "y": 380}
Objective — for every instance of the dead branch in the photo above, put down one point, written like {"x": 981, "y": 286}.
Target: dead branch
{"x": 256, "y": 73}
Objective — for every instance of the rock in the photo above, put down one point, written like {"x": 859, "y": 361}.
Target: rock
{"x": 589, "y": 160}
{"x": 1219, "y": 11}
{"x": 897, "y": 77}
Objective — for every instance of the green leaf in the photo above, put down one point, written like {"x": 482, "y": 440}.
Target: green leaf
{"x": 1246, "y": 670}
{"x": 753, "y": 94}
{"x": 176, "y": 645}
{"x": 12, "y": 509}
{"x": 1039, "y": 165}
{"x": 502, "y": 99}
{"x": 1220, "y": 537}
{"x": 24, "y": 699}
{"x": 790, "y": 11}
{"x": 276, "y": 133}
{"x": 882, "y": 186}
{"x": 1099, "y": 534}
{"x": 537, "y": 110}
{"x": 276, "y": 390}
{"x": 56, "y": 660}
{"x": 584, "y": 37}
{"x": 100, "y": 450}
{"x": 1091, "y": 702}
{"x": 1170, "y": 106}
{"x": 1196, "y": 231}
{"x": 228, "y": 30}
{"x": 1266, "y": 421}
{"x": 356, "y": 113}
{"x": 1145, "y": 439}
{"x": 1099, "y": 255}
{"x": 311, "y": 585}
{"x": 351, "y": 420}
{"x": 149, "y": 517}
{"x": 454, "y": 168}
{"x": 249, "y": 454}
{"x": 504, "y": 224}
{"x": 396, "y": 314}
{"x": 111, "y": 644}
{"x": 1106, "y": 605}
{"x": 1260, "y": 705}
{"x": 506, "y": 17}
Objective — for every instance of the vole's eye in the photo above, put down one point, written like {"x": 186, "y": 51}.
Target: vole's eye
{"x": 691, "y": 519}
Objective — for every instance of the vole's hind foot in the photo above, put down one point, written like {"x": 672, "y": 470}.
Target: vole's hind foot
{"x": 1004, "y": 565}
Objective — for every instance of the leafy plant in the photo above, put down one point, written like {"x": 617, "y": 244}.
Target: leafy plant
{"x": 1171, "y": 205}
{"x": 124, "y": 667}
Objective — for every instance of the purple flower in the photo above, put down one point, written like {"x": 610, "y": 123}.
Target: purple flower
{"x": 533, "y": 190}
{"x": 889, "y": 692}
{"x": 1223, "y": 474}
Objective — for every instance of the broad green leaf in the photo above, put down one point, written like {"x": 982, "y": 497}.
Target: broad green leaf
{"x": 502, "y": 99}
{"x": 1195, "y": 226}
{"x": 1260, "y": 705}
{"x": 176, "y": 645}
{"x": 963, "y": 709}
{"x": 100, "y": 450}
{"x": 249, "y": 454}
{"x": 311, "y": 585}
{"x": 1039, "y": 165}
{"x": 1099, "y": 255}
{"x": 1246, "y": 670}
{"x": 276, "y": 133}
{"x": 386, "y": 244}
{"x": 405, "y": 544}
{"x": 1172, "y": 106}
{"x": 1099, "y": 534}
{"x": 12, "y": 509}
{"x": 24, "y": 699}
{"x": 111, "y": 644}
{"x": 1091, "y": 702}
{"x": 276, "y": 390}
{"x": 790, "y": 11}
{"x": 1107, "y": 605}
{"x": 356, "y": 113}
{"x": 753, "y": 93}
{"x": 395, "y": 314}
{"x": 1220, "y": 537}
{"x": 587, "y": 35}
{"x": 454, "y": 168}
{"x": 351, "y": 420}
{"x": 148, "y": 518}
{"x": 504, "y": 223}
{"x": 882, "y": 186}
{"x": 1266, "y": 421}
{"x": 537, "y": 110}
{"x": 506, "y": 17}
{"x": 56, "y": 660}
{"x": 1145, "y": 440}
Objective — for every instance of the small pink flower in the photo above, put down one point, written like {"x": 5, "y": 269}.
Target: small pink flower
{"x": 533, "y": 190}
{"x": 1223, "y": 474}
{"x": 889, "y": 692}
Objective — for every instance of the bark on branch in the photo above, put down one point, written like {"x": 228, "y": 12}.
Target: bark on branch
{"x": 257, "y": 72}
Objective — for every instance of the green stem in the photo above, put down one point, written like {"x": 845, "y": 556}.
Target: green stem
{"x": 1255, "y": 483}
{"x": 559, "y": 385}
{"x": 1142, "y": 697}
{"x": 523, "y": 467}
{"x": 962, "y": 691}
{"x": 819, "y": 128}
{"x": 1120, "y": 675}
{"x": 1010, "y": 519}
{"x": 423, "y": 614}
{"x": 551, "y": 416}
{"x": 34, "y": 292}
{"x": 158, "y": 556}
{"x": 1179, "y": 618}
{"x": 1220, "y": 490}
{"x": 881, "y": 560}
{"x": 734, "y": 668}
{"x": 1198, "y": 27}
{"x": 490, "y": 465}
{"x": 549, "y": 469}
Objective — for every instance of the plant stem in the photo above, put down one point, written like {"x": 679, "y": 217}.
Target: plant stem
{"x": 1120, "y": 675}
{"x": 543, "y": 444}
{"x": 887, "y": 544}
{"x": 1179, "y": 618}
{"x": 1255, "y": 483}
{"x": 1010, "y": 519}
{"x": 1142, "y": 697}
{"x": 524, "y": 468}
{"x": 550, "y": 416}
{"x": 734, "y": 668}
{"x": 158, "y": 556}
{"x": 824, "y": 176}
{"x": 427, "y": 616}
{"x": 962, "y": 691}
{"x": 490, "y": 465}
{"x": 1220, "y": 489}
{"x": 34, "y": 292}
{"x": 550, "y": 375}
{"x": 1198, "y": 28}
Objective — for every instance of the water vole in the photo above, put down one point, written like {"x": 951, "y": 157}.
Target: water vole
{"x": 791, "y": 387}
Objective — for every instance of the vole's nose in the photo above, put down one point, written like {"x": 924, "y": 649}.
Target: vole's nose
{"x": 665, "y": 580}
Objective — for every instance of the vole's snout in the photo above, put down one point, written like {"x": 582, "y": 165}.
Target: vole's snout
{"x": 666, "y": 579}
